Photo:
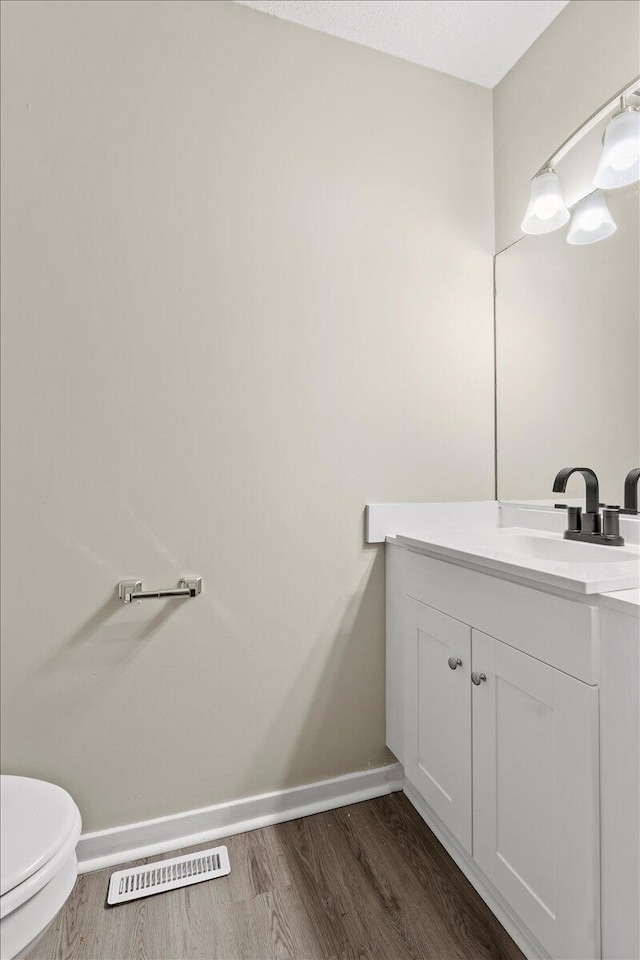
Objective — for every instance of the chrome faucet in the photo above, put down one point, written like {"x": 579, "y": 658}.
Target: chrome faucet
{"x": 589, "y": 526}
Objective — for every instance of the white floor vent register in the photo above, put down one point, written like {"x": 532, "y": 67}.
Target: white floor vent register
{"x": 168, "y": 875}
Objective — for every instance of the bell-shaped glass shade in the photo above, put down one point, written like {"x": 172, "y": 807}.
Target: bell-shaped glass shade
{"x": 591, "y": 220}
{"x": 620, "y": 158}
{"x": 546, "y": 210}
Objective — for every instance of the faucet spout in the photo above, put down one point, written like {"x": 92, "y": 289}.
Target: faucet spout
{"x": 631, "y": 490}
{"x": 593, "y": 489}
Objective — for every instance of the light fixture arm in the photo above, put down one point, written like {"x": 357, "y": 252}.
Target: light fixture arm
{"x": 590, "y": 123}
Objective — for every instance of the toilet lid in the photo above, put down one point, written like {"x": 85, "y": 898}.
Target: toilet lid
{"x": 35, "y": 820}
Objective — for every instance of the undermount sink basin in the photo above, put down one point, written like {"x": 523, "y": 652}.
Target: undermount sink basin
{"x": 550, "y": 547}
{"x": 538, "y": 556}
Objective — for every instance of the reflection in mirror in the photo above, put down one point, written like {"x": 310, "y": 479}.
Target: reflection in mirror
{"x": 568, "y": 358}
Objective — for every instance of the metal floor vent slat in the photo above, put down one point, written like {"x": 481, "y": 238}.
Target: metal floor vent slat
{"x": 168, "y": 875}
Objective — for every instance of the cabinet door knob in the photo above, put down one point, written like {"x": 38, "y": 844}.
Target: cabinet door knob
{"x": 454, "y": 662}
{"x": 477, "y": 678}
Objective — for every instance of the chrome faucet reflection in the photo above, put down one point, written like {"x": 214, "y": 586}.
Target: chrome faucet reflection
{"x": 590, "y": 526}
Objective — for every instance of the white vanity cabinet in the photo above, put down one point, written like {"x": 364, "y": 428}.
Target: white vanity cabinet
{"x": 505, "y": 769}
{"x": 438, "y": 715}
{"x": 535, "y": 794}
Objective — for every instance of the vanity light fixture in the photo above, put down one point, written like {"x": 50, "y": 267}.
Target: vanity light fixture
{"x": 620, "y": 158}
{"x": 546, "y": 210}
{"x": 619, "y": 165}
{"x": 591, "y": 220}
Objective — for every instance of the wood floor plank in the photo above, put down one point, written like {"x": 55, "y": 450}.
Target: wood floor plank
{"x": 365, "y": 882}
{"x": 439, "y": 886}
{"x": 343, "y": 903}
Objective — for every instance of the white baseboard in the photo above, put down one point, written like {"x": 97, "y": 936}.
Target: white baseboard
{"x": 500, "y": 909}
{"x": 105, "y": 848}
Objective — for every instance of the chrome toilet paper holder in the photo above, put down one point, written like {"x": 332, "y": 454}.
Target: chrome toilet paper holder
{"x": 130, "y": 590}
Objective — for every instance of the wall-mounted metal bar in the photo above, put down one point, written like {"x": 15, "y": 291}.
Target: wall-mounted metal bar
{"x": 589, "y": 124}
{"x": 130, "y": 590}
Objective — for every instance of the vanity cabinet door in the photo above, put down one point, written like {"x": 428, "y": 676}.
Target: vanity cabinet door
{"x": 535, "y": 792}
{"x": 438, "y": 716}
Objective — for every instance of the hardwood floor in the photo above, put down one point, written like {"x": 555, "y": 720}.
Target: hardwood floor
{"x": 366, "y": 881}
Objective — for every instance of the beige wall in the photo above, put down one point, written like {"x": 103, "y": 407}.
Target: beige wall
{"x": 245, "y": 292}
{"x": 590, "y": 51}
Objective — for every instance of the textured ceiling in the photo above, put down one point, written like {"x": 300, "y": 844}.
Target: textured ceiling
{"x": 477, "y": 40}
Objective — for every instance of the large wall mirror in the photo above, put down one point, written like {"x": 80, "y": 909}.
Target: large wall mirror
{"x": 568, "y": 358}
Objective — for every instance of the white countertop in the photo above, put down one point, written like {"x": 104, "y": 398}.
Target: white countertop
{"x": 626, "y": 601}
{"x": 547, "y": 557}
{"x": 515, "y": 540}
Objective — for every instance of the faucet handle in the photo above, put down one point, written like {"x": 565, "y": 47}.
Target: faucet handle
{"x": 574, "y": 518}
{"x": 611, "y": 521}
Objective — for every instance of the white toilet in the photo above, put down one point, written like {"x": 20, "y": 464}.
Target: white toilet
{"x": 40, "y": 826}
